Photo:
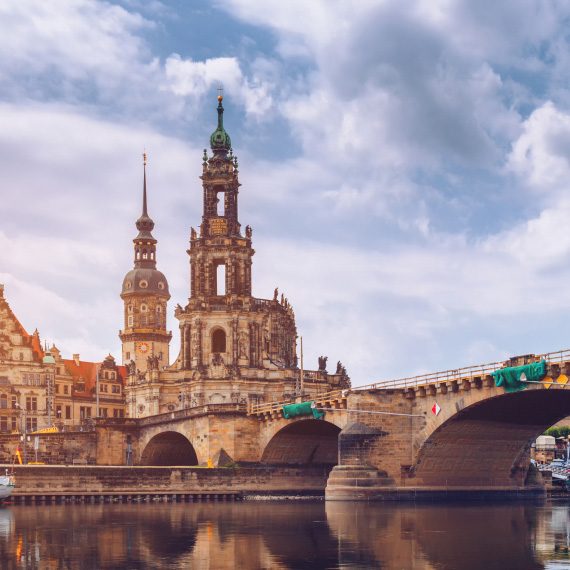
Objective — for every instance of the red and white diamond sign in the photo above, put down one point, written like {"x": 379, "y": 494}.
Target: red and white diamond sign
{"x": 435, "y": 409}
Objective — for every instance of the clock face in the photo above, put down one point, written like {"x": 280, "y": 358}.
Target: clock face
{"x": 143, "y": 347}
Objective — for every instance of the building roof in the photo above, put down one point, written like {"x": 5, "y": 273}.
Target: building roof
{"x": 86, "y": 372}
{"x": 32, "y": 340}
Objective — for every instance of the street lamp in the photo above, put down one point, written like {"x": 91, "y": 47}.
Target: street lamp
{"x": 97, "y": 391}
{"x": 24, "y": 427}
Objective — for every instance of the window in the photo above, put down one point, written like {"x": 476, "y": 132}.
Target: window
{"x": 116, "y": 389}
{"x": 67, "y": 412}
{"x": 3, "y": 424}
{"x": 14, "y": 401}
{"x": 14, "y": 426}
{"x": 66, "y": 389}
{"x": 58, "y": 412}
{"x": 31, "y": 403}
{"x": 221, "y": 279}
{"x": 3, "y": 401}
{"x": 21, "y": 356}
{"x": 104, "y": 388}
{"x": 218, "y": 341}
{"x": 57, "y": 388}
{"x": 103, "y": 412}
{"x": 31, "y": 424}
{"x": 128, "y": 356}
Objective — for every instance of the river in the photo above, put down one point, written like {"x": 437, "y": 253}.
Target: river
{"x": 280, "y": 535}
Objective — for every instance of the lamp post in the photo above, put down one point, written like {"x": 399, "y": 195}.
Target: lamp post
{"x": 97, "y": 392}
{"x": 24, "y": 426}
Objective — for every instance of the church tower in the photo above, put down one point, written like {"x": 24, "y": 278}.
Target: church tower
{"x": 145, "y": 295}
{"x": 224, "y": 330}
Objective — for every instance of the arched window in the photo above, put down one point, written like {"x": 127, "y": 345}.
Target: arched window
{"x": 3, "y": 401}
{"x": 218, "y": 341}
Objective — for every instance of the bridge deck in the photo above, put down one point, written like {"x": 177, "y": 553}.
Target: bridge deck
{"x": 479, "y": 372}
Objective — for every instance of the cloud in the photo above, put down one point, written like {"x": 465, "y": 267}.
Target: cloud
{"x": 196, "y": 78}
{"x": 386, "y": 170}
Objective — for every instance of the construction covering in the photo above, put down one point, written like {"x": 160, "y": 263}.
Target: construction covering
{"x": 302, "y": 409}
{"x": 512, "y": 380}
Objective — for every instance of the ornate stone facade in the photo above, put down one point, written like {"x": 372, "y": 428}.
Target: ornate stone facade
{"x": 234, "y": 348}
{"x": 144, "y": 337}
{"x": 40, "y": 389}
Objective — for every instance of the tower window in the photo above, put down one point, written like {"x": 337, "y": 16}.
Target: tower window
{"x": 221, "y": 279}
{"x": 219, "y": 341}
{"x": 143, "y": 308}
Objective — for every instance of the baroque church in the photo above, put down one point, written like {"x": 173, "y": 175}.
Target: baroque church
{"x": 234, "y": 348}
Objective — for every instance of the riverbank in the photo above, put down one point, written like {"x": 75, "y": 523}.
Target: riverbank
{"x": 79, "y": 483}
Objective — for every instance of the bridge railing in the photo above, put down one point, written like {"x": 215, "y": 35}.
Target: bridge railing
{"x": 467, "y": 372}
{"x": 457, "y": 374}
{"x": 277, "y": 406}
{"x": 192, "y": 412}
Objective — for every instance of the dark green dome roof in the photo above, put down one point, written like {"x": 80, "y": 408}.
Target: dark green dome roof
{"x": 219, "y": 139}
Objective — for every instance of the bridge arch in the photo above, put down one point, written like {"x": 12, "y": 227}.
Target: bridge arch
{"x": 169, "y": 448}
{"x": 303, "y": 442}
{"x": 488, "y": 442}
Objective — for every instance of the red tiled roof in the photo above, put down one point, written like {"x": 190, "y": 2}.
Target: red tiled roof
{"x": 37, "y": 344}
{"x": 87, "y": 372}
{"x": 84, "y": 371}
{"x": 33, "y": 340}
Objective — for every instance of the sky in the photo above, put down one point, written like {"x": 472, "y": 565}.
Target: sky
{"x": 404, "y": 167}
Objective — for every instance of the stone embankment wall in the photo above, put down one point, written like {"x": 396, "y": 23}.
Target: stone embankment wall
{"x": 37, "y": 480}
{"x": 53, "y": 449}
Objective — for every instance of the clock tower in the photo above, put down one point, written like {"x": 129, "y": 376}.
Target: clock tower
{"x": 145, "y": 295}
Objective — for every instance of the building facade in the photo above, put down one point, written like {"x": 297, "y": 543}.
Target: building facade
{"x": 234, "y": 347}
{"x": 40, "y": 389}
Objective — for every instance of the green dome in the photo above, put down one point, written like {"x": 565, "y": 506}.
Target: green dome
{"x": 219, "y": 139}
{"x": 48, "y": 359}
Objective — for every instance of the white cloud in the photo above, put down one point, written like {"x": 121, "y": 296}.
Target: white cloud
{"x": 187, "y": 77}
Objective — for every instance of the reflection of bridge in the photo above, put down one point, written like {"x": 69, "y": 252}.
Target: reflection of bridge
{"x": 452, "y": 431}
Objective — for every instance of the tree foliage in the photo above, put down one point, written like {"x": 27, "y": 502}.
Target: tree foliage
{"x": 562, "y": 431}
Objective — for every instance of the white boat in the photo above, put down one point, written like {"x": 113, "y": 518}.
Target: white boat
{"x": 7, "y": 484}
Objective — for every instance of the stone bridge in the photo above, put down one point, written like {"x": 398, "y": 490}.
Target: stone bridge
{"x": 453, "y": 431}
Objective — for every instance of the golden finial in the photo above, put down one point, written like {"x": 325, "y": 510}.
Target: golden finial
{"x": 220, "y": 94}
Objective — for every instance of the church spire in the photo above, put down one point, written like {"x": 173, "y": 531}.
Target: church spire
{"x": 145, "y": 244}
{"x": 144, "y": 212}
{"x": 220, "y": 141}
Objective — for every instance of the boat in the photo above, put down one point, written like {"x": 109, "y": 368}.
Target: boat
{"x": 7, "y": 484}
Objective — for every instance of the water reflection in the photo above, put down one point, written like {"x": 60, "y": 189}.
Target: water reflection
{"x": 285, "y": 536}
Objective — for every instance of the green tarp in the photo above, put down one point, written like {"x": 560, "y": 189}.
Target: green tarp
{"x": 302, "y": 409}
{"x": 510, "y": 378}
